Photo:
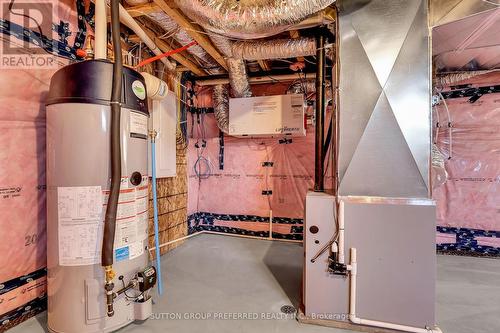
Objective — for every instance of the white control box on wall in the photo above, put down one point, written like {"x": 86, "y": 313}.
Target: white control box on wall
{"x": 163, "y": 119}
{"x": 280, "y": 115}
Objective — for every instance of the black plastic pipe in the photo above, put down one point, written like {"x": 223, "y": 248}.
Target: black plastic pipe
{"x": 320, "y": 114}
{"x": 116, "y": 167}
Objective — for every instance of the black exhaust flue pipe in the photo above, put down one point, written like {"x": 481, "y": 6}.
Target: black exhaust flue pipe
{"x": 320, "y": 113}
{"x": 116, "y": 168}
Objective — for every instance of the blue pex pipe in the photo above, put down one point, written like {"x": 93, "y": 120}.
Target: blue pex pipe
{"x": 155, "y": 214}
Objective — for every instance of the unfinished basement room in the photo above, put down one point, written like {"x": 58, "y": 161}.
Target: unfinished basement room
{"x": 254, "y": 166}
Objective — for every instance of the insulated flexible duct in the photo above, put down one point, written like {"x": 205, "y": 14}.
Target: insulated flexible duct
{"x": 222, "y": 44}
{"x": 237, "y": 52}
{"x": 249, "y": 19}
{"x": 309, "y": 86}
{"x": 238, "y": 77}
{"x": 221, "y": 107}
{"x": 443, "y": 80}
{"x": 274, "y": 49}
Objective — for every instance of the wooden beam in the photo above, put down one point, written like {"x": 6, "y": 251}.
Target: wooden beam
{"x": 264, "y": 64}
{"x": 145, "y": 9}
{"x": 177, "y": 56}
{"x": 193, "y": 31}
{"x": 140, "y": 10}
{"x": 134, "y": 38}
{"x": 295, "y": 34}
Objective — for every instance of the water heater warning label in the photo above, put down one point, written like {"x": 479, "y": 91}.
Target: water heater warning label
{"x": 131, "y": 220}
{"x": 80, "y": 228}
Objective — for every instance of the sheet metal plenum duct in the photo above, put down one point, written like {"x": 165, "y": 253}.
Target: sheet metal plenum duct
{"x": 385, "y": 115}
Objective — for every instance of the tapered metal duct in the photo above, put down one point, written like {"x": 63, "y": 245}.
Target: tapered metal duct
{"x": 385, "y": 115}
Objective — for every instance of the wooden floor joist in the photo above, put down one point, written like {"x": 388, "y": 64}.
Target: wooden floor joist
{"x": 147, "y": 8}
{"x": 264, "y": 64}
{"x": 192, "y": 30}
{"x": 141, "y": 10}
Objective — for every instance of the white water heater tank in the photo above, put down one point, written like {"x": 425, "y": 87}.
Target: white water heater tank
{"x": 78, "y": 182}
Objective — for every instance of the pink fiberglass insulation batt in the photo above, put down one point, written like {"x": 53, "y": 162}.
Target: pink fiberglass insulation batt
{"x": 22, "y": 180}
{"x": 470, "y": 198}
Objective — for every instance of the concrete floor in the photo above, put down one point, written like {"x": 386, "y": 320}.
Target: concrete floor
{"x": 211, "y": 274}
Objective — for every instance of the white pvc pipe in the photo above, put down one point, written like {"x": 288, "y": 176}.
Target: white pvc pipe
{"x": 129, "y": 21}
{"x": 176, "y": 240}
{"x": 341, "y": 233}
{"x": 223, "y": 234}
{"x": 353, "y": 269}
{"x": 101, "y": 30}
{"x": 251, "y": 237}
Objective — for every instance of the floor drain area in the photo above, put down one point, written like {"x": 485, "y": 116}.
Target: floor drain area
{"x": 288, "y": 309}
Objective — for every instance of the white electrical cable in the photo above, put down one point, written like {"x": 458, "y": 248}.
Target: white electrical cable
{"x": 450, "y": 126}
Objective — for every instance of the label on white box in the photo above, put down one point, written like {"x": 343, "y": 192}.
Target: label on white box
{"x": 138, "y": 125}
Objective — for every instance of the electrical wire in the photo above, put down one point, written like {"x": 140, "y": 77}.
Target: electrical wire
{"x": 492, "y": 3}
{"x": 130, "y": 298}
{"x": 11, "y": 4}
{"x": 450, "y": 126}
{"x": 202, "y": 166}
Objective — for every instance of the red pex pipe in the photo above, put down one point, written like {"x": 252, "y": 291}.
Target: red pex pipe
{"x": 166, "y": 54}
